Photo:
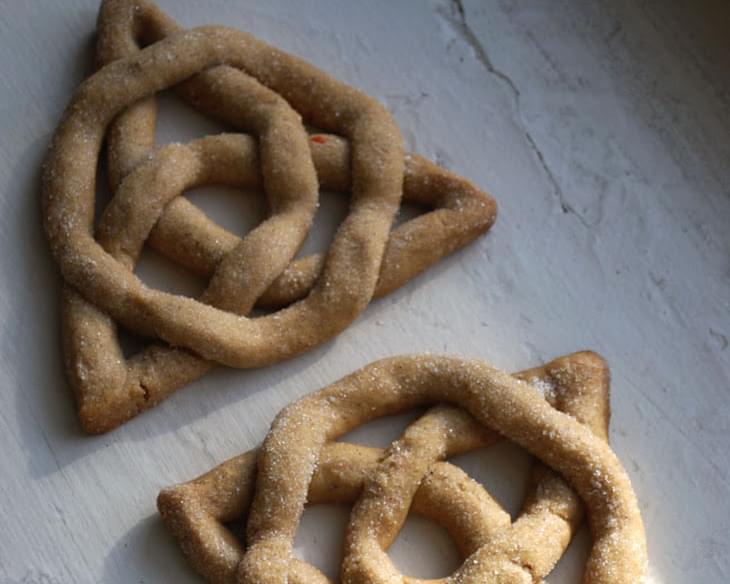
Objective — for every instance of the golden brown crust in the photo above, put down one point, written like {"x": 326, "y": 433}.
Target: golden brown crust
{"x": 300, "y": 460}
{"x": 250, "y": 92}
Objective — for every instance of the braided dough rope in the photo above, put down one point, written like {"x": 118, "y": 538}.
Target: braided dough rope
{"x": 461, "y": 213}
{"x": 350, "y": 273}
{"x": 525, "y": 551}
{"x": 111, "y": 390}
{"x": 185, "y": 234}
{"x": 497, "y": 550}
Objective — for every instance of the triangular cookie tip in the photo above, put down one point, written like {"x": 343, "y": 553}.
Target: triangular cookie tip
{"x": 581, "y": 383}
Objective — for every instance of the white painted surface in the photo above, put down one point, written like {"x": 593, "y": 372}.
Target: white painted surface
{"x": 601, "y": 128}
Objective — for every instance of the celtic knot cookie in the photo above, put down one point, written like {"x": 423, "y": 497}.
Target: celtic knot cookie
{"x": 559, "y": 412}
{"x": 260, "y": 90}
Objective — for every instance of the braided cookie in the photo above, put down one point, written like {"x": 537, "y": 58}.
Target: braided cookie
{"x": 300, "y": 461}
{"x": 254, "y": 87}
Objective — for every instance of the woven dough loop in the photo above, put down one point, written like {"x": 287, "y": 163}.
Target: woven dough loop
{"x": 253, "y": 88}
{"x": 564, "y": 425}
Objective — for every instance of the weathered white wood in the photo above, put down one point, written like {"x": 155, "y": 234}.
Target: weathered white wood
{"x": 602, "y": 129}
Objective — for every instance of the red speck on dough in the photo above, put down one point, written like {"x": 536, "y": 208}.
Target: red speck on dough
{"x": 319, "y": 139}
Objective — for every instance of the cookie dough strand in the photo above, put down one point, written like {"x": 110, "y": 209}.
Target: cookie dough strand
{"x": 383, "y": 506}
{"x": 95, "y": 363}
{"x": 186, "y": 235}
{"x": 131, "y": 135}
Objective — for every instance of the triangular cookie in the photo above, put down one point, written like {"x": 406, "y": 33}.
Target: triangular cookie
{"x": 111, "y": 389}
{"x": 198, "y": 512}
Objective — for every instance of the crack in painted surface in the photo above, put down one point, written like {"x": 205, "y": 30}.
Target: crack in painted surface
{"x": 458, "y": 19}
{"x": 722, "y": 340}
